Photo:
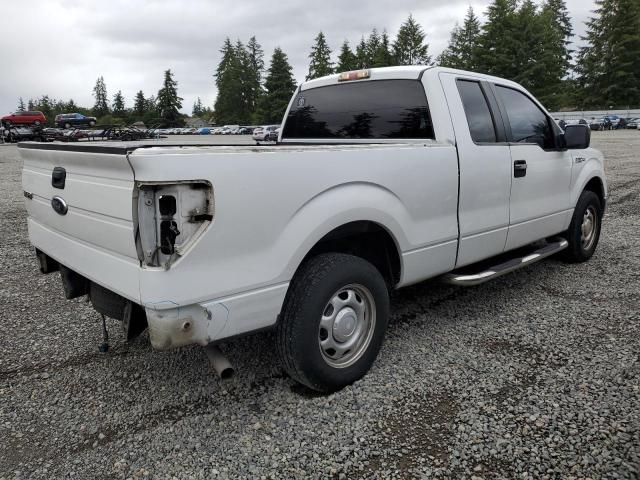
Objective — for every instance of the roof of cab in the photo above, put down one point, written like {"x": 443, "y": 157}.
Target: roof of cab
{"x": 408, "y": 72}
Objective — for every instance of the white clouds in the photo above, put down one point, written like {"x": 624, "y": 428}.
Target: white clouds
{"x": 60, "y": 47}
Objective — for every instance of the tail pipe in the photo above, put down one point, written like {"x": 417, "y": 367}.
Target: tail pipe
{"x": 219, "y": 362}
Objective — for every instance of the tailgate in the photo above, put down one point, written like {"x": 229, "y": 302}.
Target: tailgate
{"x": 95, "y": 237}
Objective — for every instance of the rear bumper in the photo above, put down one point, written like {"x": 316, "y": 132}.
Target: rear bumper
{"x": 170, "y": 325}
{"x": 173, "y": 326}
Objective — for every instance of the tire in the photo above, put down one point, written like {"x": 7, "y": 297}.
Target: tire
{"x": 584, "y": 231}
{"x": 92, "y": 123}
{"x": 7, "y": 125}
{"x": 37, "y": 123}
{"x": 67, "y": 126}
{"x": 328, "y": 288}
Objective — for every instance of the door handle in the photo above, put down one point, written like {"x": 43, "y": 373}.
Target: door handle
{"x": 519, "y": 168}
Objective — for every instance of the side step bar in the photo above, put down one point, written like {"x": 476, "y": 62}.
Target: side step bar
{"x": 468, "y": 280}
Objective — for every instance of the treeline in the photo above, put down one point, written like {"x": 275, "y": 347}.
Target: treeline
{"x": 529, "y": 44}
{"x": 161, "y": 109}
{"x": 521, "y": 40}
{"x": 249, "y": 93}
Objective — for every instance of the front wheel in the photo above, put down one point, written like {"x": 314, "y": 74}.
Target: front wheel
{"x": 333, "y": 321}
{"x": 584, "y": 231}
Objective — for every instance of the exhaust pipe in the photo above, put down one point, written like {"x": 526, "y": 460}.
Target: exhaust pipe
{"x": 219, "y": 362}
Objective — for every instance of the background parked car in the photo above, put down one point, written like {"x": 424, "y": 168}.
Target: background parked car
{"x": 274, "y": 134}
{"x": 633, "y": 123}
{"x": 600, "y": 124}
{"x": 264, "y": 134}
{"x": 68, "y": 120}
{"x": 24, "y": 118}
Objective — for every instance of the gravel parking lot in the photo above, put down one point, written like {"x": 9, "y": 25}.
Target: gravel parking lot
{"x": 535, "y": 375}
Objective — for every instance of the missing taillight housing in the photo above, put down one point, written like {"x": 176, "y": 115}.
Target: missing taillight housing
{"x": 168, "y": 234}
{"x": 169, "y": 218}
{"x": 167, "y": 205}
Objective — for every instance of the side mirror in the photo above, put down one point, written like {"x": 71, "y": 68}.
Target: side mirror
{"x": 577, "y": 137}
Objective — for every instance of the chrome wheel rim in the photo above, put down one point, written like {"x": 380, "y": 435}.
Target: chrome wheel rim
{"x": 347, "y": 325}
{"x": 589, "y": 228}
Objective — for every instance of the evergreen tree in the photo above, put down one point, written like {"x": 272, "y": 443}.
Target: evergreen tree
{"x": 229, "y": 103}
{"x": 279, "y": 86}
{"x": 139, "y": 104}
{"x": 383, "y": 57}
{"x": 320, "y": 64}
{"x": 70, "y": 106}
{"x": 410, "y": 47}
{"x": 555, "y": 55}
{"x": 101, "y": 106}
{"x": 197, "y": 108}
{"x": 46, "y": 105}
{"x": 526, "y": 49}
{"x": 118, "y": 105}
{"x": 462, "y": 51}
{"x": 378, "y": 50}
{"x": 169, "y": 103}
{"x": 362, "y": 55}
{"x": 372, "y": 46}
{"x": 21, "y": 105}
{"x": 609, "y": 66}
{"x": 31, "y": 104}
{"x": 346, "y": 60}
{"x": 254, "y": 76}
{"x": 151, "y": 105}
{"x": 246, "y": 83}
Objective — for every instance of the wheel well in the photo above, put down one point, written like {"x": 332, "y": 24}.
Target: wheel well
{"x": 367, "y": 240}
{"x": 595, "y": 185}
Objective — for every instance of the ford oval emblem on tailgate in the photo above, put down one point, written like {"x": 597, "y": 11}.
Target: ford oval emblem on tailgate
{"x": 59, "y": 205}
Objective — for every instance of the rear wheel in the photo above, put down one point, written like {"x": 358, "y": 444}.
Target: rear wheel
{"x": 67, "y": 125}
{"x": 7, "y": 124}
{"x": 92, "y": 123}
{"x": 333, "y": 321}
{"x": 584, "y": 231}
{"x": 37, "y": 123}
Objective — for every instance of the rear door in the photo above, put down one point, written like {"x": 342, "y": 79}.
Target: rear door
{"x": 540, "y": 190}
{"x": 485, "y": 167}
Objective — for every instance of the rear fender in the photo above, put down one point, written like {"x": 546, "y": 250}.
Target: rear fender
{"x": 326, "y": 212}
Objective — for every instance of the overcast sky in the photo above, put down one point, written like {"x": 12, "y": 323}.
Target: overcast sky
{"x": 60, "y": 47}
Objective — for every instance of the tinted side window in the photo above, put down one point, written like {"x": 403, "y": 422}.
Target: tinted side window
{"x": 369, "y": 109}
{"x": 528, "y": 123}
{"x": 477, "y": 111}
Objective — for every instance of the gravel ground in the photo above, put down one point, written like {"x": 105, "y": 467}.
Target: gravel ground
{"x": 535, "y": 375}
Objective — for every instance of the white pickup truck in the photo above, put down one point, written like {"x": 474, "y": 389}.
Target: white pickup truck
{"x": 380, "y": 179}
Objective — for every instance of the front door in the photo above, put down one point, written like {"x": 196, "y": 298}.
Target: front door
{"x": 541, "y": 172}
{"x": 485, "y": 168}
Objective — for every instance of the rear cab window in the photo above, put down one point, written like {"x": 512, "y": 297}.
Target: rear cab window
{"x": 476, "y": 108}
{"x": 376, "y": 109}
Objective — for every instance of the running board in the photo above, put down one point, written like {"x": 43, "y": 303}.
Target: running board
{"x": 469, "y": 280}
